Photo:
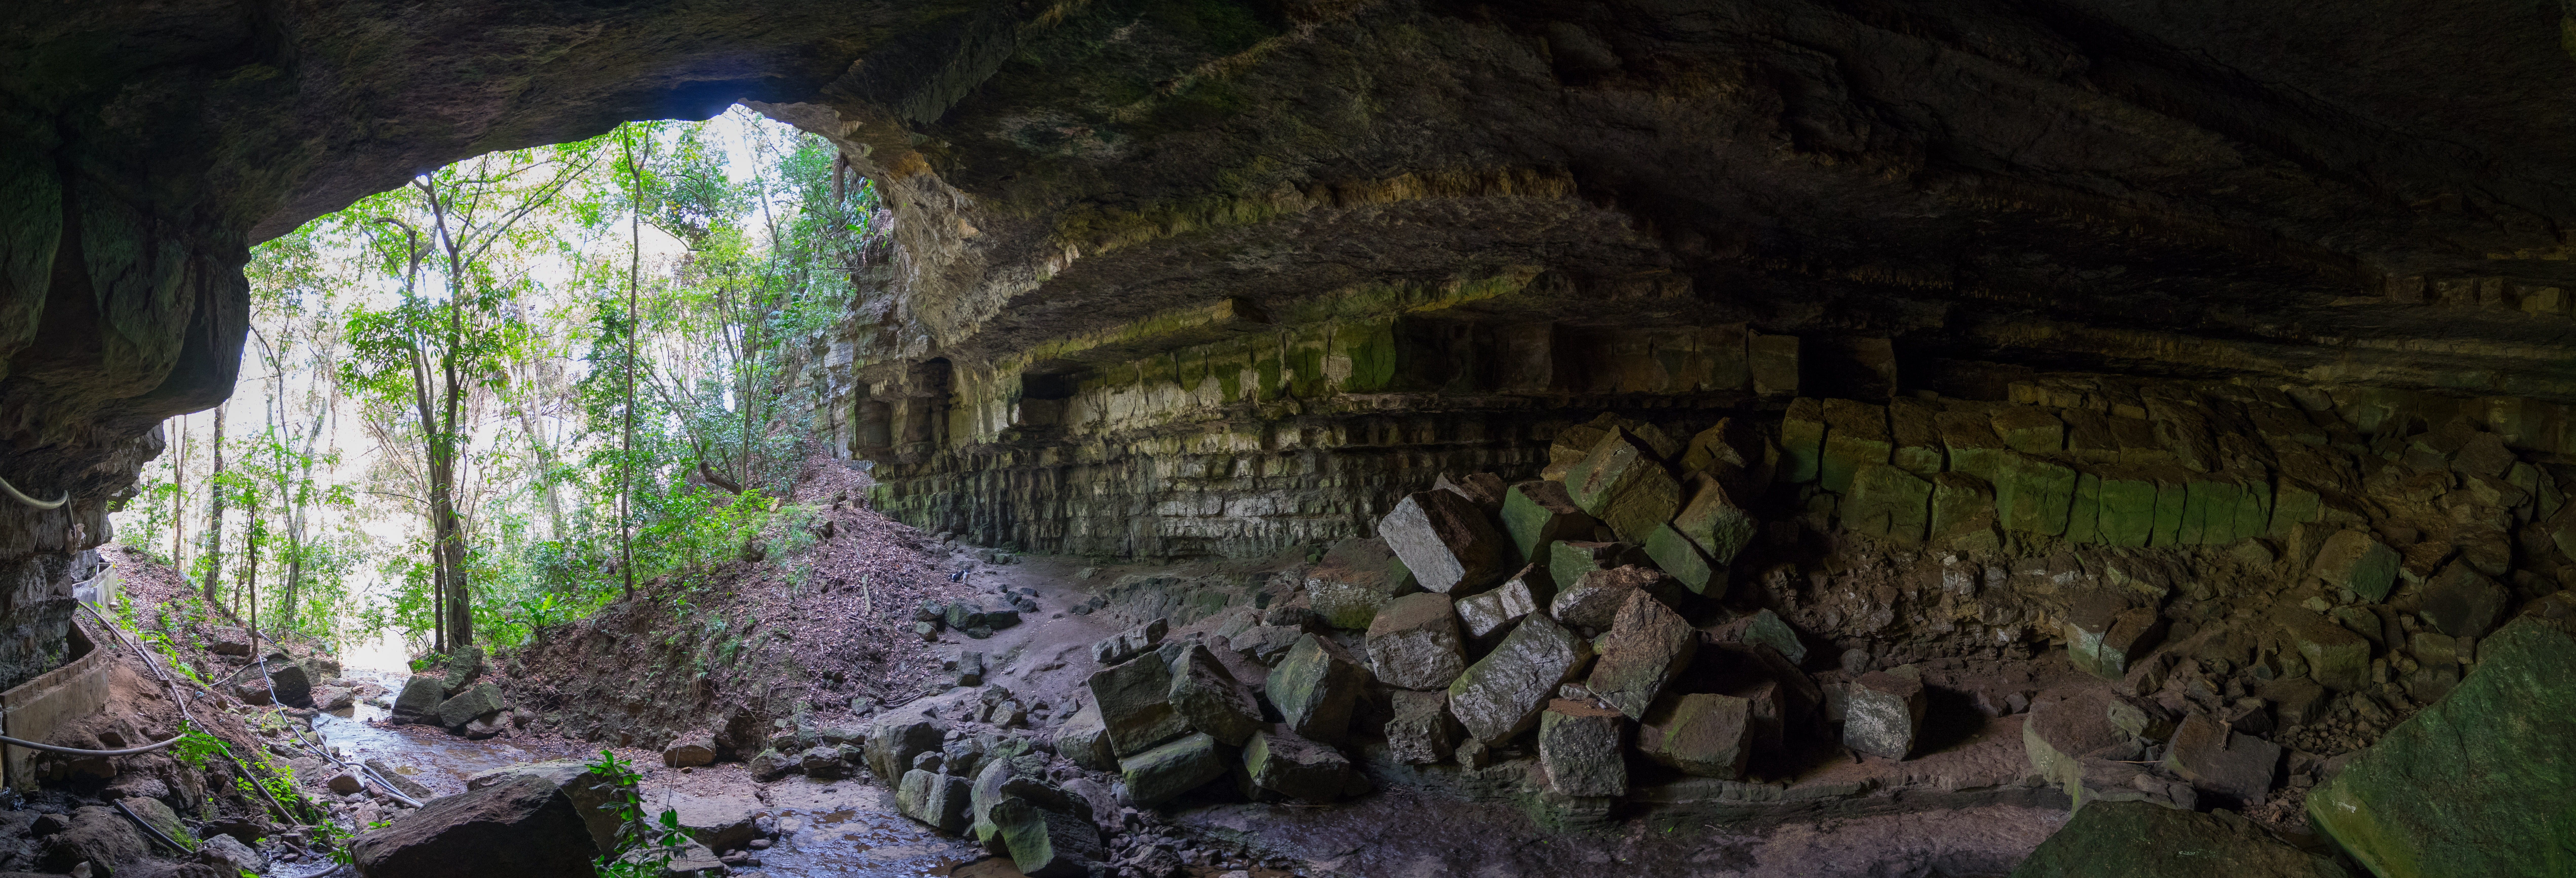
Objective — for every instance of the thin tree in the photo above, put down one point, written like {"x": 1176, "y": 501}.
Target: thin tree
{"x": 634, "y": 281}
{"x": 213, "y": 557}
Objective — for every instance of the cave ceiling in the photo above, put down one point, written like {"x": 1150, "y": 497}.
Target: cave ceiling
{"x": 2308, "y": 191}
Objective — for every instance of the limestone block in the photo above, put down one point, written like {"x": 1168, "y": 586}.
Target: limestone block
{"x": 895, "y": 739}
{"x": 1209, "y": 698}
{"x": 1802, "y": 441}
{"x": 2337, "y": 659}
{"x": 1962, "y": 505}
{"x": 476, "y": 700}
{"x": 1045, "y": 843}
{"x": 1135, "y": 706}
{"x": 938, "y": 800}
{"x": 2125, "y": 508}
{"x": 1648, "y": 644}
{"x": 1883, "y": 715}
{"x": 2033, "y": 495}
{"x": 2355, "y": 560}
{"x": 2057, "y": 733}
{"x": 1083, "y": 739}
{"x": 1314, "y": 687}
{"x": 1969, "y": 437}
{"x": 1890, "y": 503}
{"x": 419, "y": 700}
{"x": 1446, "y": 541}
{"x": 1422, "y": 732}
{"x": 1501, "y": 694}
{"x": 1483, "y": 489}
{"x": 1160, "y": 774}
{"x": 1594, "y": 600}
{"x": 1623, "y": 484}
{"x": 1483, "y": 620}
{"x": 1532, "y": 590}
{"x": 1855, "y": 436}
{"x": 1716, "y": 523}
{"x": 1539, "y": 513}
{"x": 1731, "y": 452}
{"x": 1295, "y": 767}
{"x": 1699, "y": 735}
{"x": 1773, "y": 361}
{"x": 1916, "y": 437}
{"x": 2029, "y": 429}
{"x": 2469, "y": 785}
{"x": 1569, "y": 560}
{"x": 2143, "y": 839}
{"x": 1579, "y": 745}
{"x": 1682, "y": 559}
{"x": 2461, "y": 602}
{"x": 2222, "y": 762}
{"x": 1766, "y": 628}
{"x": 1351, "y": 585}
{"x": 1414, "y": 643}
{"x": 1130, "y": 643}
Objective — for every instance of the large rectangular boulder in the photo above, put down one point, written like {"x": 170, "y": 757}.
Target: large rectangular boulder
{"x": 1888, "y": 503}
{"x": 1211, "y": 700}
{"x": 940, "y": 801}
{"x": 524, "y": 824}
{"x": 1163, "y": 773}
{"x": 1314, "y": 687}
{"x": 1501, "y": 694}
{"x": 1539, "y": 513}
{"x": 463, "y": 707}
{"x": 1883, "y": 715}
{"x": 1648, "y": 644}
{"x": 419, "y": 700}
{"x": 1623, "y": 483}
{"x": 1681, "y": 559}
{"x": 1446, "y": 541}
{"x": 1580, "y": 746}
{"x": 1716, "y": 523}
{"x": 2481, "y": 782}
{"x": 1414, "y": 643}
{"x": 1802, "y": 440}
{"x": 1046, "y": 843}
{"x": 1083, "y": 739}
{"x": 2215, "y": 759}
{"x": 1421, "y": 732}
{"x": 1855, "y": 436}
{"x": 1297, "y": 768}
{"x": 1135, "y": 704}
{"x": 1594, "y": 600}
{"x": 2337, "y": 658}
{"x": 1700, "y": 735}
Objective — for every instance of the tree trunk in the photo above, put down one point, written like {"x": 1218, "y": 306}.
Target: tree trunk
{"x": 179, "y": 499}
{"x": 214, "y": 553}
{"x": 626, "y": 454}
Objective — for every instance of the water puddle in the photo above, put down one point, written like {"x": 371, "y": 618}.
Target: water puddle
{"x": 846, "y": 829}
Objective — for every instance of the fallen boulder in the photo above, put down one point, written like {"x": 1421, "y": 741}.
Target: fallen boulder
{"x": 1539, "y": 513}
{"x": 1446, "y": 541}
{"x": 521, "y": 824}
{"x": 937, "y": 800}
{"x": 1501, "y": 694}
{"x": 1646, "y": 646}
{"x": 419, "y": 700}
{"x": 894, "y": 740}
{"x": 1046, "y": 843}
{"x": 95, "y": 835}
{"x": 1314, "y": 688}
{"x": 463, "y": 707}
{"x": 2145, "y": 840}
{"x": 2214, "y": 759}
{"x": 1130, "y": 643}
{"x": 1579, "y": 746}
{"x": 1594, "y": 600}
{"x": 1421, "y": 732}
{"x": 1699, "y": 735}
{"x": 1135, "y": 706}
{"x": 1413, "y": 643}
{"x": 1085, "y": 740}
{"x": 1209, "y": 699}
{"x": 1295, "y": 767}
{"x": 692, "y": 749}
{"x": 1163, "y": 773}
{"x": 2355, "y": 560}
{"x": 1883, "y": 715}
{"x": 2480, "y": 782}
{"x": 463, "y": 667}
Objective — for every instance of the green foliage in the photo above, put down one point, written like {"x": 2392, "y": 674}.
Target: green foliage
{"x": 644, "y": 849}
